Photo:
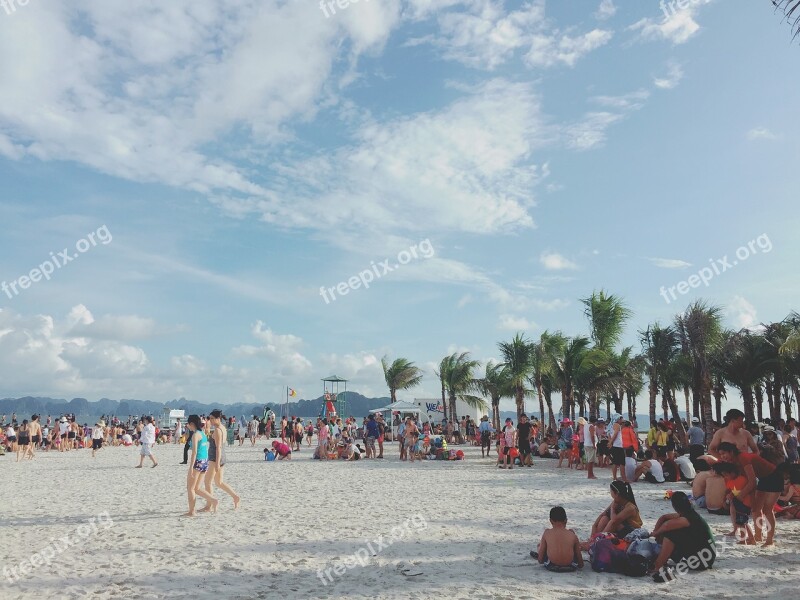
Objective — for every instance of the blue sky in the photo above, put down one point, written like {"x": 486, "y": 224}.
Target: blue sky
{"x": 242, "y": 157}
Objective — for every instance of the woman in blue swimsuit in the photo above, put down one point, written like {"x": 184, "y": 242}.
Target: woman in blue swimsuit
{"x": 198, "y": 466}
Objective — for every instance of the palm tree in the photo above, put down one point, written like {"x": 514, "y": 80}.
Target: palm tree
{"x": 441, "y": 373}
{"x": 400, "y": 375}
{"x": 745, "y": 360}
{"x": 518, "y": 360}
{"x": 496, "y": 384}
{"x": 567, "y": 370}
{"x": 789, "y": 7}
{"x": 607, "y": 316}
{"x": 703, "y": 327}
{"x": 460, "y": 381}
{"x": 543, "y": 362}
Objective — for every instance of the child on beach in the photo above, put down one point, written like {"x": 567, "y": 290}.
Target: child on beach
{"x": 282, "y": 450}
{"x": 741, "y": 506}
{"x": 559, "y": 549}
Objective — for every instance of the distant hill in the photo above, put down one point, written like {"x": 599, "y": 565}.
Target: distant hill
{"x": 85, "y": 411}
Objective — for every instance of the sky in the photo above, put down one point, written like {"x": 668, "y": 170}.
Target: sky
{"x": 216, "y": 200}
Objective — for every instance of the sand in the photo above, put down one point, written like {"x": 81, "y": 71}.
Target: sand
{"x": 461, "y": 530}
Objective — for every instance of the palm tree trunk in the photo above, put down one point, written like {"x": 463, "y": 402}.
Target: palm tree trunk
{"x": 706, "y": 403}
{"x": 552, "y": 420}
{"x": 540, "y": 393}
{"x": 496, "y": 412}
{"x": 664, "y": 405}
{"x": 749, "y": 403}
{"x": 444, "y": 401}
{"x": 679, "y": 428}
{"x": 608, "y": 409}
{"x": 453, "y": 413}
{"x": 653, "y": 389}
{"x": 759, "y": 389}
{"x": 686, "y": 396}
{"x": 520, "y": 398}
{"x": 718, "y": 391}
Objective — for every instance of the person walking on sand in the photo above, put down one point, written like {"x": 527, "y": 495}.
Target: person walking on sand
{"x": 216, "y": 460}
{"x": 198, "y": 466}
{"x": 147, "y": 440}
{"x": 23, "y": 439}
{"x": 178, "y": 431}
{"x": 589, "y": 438}
{"x": 97, "y": 438}
{"x": 36, "y": 435}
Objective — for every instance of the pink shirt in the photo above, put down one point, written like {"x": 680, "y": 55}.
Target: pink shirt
{"x": 282, "y": 449}
{"x": 509, "y": 436}
{"x": 323, "y": 433}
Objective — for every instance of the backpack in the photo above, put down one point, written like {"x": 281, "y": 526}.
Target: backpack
{"x": 607, "y": 555}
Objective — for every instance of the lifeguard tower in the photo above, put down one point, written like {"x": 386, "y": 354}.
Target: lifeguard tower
{"x": 335, "y": 402}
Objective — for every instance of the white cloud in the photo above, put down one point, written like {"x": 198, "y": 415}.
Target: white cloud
{"x": 282, "y": 349}
{"x": 556, "y": 262}
{"x": 514, "y": 323}
{"x": 467, "y": 167}
{"x": 669, "y": 263}
{"x": 550, "y": 50}
{"x": 464, "y": 300}
{"x": 606, "y": 10}
{"x": 137, "y": 90}
{"x": 591, "y": 131}
{"x": 678, "y": 26}
{"x": 672, "y": 79}
{"x": 761, "y": 133}
{"x": 483, "y": 35}
{"x": 631, "y": 101}
{"x": 113, "y": 327}
{"x": 742, "y": 313}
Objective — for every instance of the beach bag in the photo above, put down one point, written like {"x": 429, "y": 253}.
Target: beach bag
{"x": 606, "y": 555}
{"x": 641, "y": 556}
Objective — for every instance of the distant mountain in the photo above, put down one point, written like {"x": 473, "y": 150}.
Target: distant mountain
{"x": 86, "y": 412}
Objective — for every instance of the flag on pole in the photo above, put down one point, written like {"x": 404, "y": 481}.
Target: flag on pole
{"x": 292, "y": 392}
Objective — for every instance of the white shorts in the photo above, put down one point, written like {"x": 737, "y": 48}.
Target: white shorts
{"x": 145, "y": 450}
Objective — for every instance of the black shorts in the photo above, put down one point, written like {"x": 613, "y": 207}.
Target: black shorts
{"x": 24, "y": 440}
{"x": 602, "y": 448}
{"x": 70, "y": 435}
{"x": 524, "y": 450}
{"x": 97, "y": 444}
{"x": 618, "y": 456}
{"x": 485, "y": 441}
{"x": 37, "y": 439}
{"x": 771, "y": 483}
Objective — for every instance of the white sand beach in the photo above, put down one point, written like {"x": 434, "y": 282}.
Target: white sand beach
{"x": 299, "y": 518}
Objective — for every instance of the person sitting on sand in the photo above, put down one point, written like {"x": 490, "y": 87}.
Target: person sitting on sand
{"x": 630, "y": 464}
{"x": 650, "y": 468}
{"x": 622, "y": 515}
{"x": 708, "y": 490}
{"x": 559, "y": 549}
{"x": 684, "y": 537}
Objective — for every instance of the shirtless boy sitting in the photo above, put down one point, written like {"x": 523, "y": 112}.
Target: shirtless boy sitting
{"x": 559, "y": 550}
{"x": 709, "y": 492}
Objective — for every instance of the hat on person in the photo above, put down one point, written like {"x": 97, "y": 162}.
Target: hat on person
{"x": 566, "y": 422}
{"x": 768, "y": 429}
{"x": 695, "y": 419}
{"x": 63, "y": 419}
{"x": 617, "y": 417}
{"x": 484, "y": 418}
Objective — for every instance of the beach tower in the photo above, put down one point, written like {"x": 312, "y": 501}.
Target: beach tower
{"x": 335, "y": 399}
